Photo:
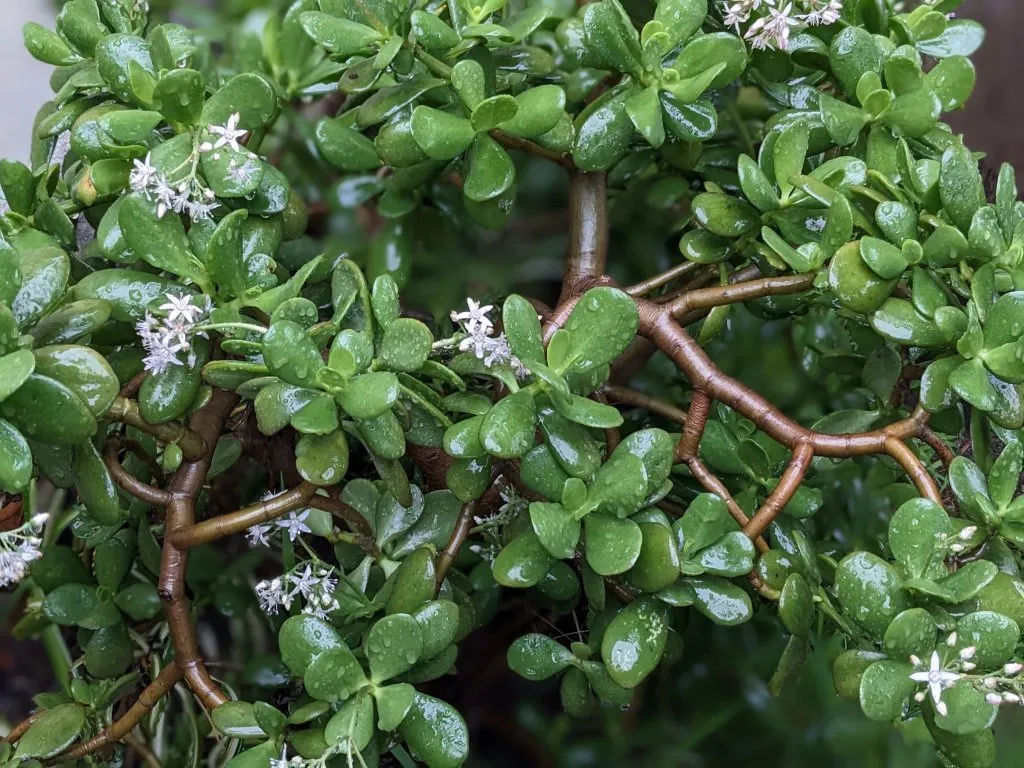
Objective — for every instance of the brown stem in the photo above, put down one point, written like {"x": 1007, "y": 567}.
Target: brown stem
{"x": 509, "y": 141}
{"x": 127, "y": 481}
{"x": 133, "y": 385}
{"x": 163, "y": 683}
{"x": 693, "y": 429}
{"x": 937, "y": 444}
{"x": 646, "y": 286}
{"x": 632, "y": 397}
{"x": 711, "y": 483}
{"x": 447, "y": 556}
{"x": 351, "y": 517}
{"x": 588, "y": 246}
{"x": 658, "y": 325}
{"x": 914, "y": 468}
{"x": 243, "y": 519}
{"x": 126, "y": 411}
{"x": 719, "y": 295}
{"x": 19, "y": 730}
{"x": 778, "y": 498}
{"x": 185, "y": 486}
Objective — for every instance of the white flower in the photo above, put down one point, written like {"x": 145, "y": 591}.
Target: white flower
{"x": 498, "y": 351}
{"x": 198, "y": 211}
{"x": 968, "y": 653}
{"x": 475, "y": 318}
{"x": 937, "y": 679}
{"x": 272, "y": 596}
{"x": 305, "y": 582}
{"x": 19, "y": 548}
{"x": 772, "y": 31}
{"x": 295, "y": 524}
{"x": 476, "y": 342}
{"x": 142, "y": 175}
{"x": 994, "y": 699}
{"x": 165, "y": 194}
{"x": 180, "y": 307}
{"x": 822, "y": 12}
{"x": 968, "y": 533}
{"x": 257, "y": 535}
{"x": 227, "y": 134}
{"x": 1013, "y": 668}
{"x": 1011, "y": 698}
{"x": 951, "y": 640}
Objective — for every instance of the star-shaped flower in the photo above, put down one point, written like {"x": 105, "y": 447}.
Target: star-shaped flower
{"x": 937, "y": 679}
{"x": 227, "y": 134}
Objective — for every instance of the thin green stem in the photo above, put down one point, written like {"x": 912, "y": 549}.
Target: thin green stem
{"x": 426, "y": 405}
{"x": 741, "y": 129}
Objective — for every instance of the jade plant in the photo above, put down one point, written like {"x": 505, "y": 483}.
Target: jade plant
{"x": 742, "y": 344}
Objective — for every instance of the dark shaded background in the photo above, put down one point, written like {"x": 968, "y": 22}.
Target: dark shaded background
{"x": 992, "y": 116}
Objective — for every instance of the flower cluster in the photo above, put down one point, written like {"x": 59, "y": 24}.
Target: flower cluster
{"x": 939, "y": 676}
{"x": 315, "y": 584}
{"x": 18, "y": 549}
{"x": 189, "y": 195}
{"x": 492, "y": 350}
{"x": 164, "y": 338}
{"x": 771, "y": 28}
{"x": 293, "y": 524}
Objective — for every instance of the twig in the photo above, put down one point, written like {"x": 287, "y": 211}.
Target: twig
{"x": 646, "y": 286}
{"x": 126, "y": 411}
{"x": 632, "y": 397}
{"x": 693, "y": 428}
{"x": 184, "y": 488}
{"x": 711, "y": 483}
{"x": 788, "y": 485}
{"x": 128, "y": 482}
{"x": 352, "y": 517}
{"x": 914, "y": 468}
{"x": 242, "y": 519}
{"x": 509, "y": 141}
{"x": 937, "y": 444}
{"x": 19, "y": 730}
{"x": 447, "y": 556}
{"x": 163, "y": 683}
{"x": 720, "y": 295}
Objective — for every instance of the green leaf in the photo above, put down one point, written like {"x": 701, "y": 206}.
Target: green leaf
{"x": 634, "y": 641}
{"x": 490, "y": 171}
{"x": 414, "y": 582}
{"x": 344, "y": 147}
{"x": 658, "y": 564}
{"x": 869, "y": 591}
{"x": 322, "y": 459}
{"x": 537, "y": 657}
{"x": 732, "y": 555}
{"x": 911, "y": 633}
{"x": 885, "y": 260}
{"x": 15, "y": 459}
{"x": 611, "y": 37}
{"x": 968, "y": 710}
{"x": 852, "y": 53}
{"x": 116, "y": 57}
{"x": 898, "y": 321}
{"x": 435, "y": 732}
{"x": 960, "y": 186}
{"x": 237, "y": 719}
{"x": 885, "y": 688}
{"x": 600, "y": 327}
{"x": 44, "y": 279}
{"x": 507, "y": 430}
{"x": 721, "y": 601}
{"x": 757, "y": 188}
{"x": 724, "y": 215}
{"x": 52, "y": 732}
{"x": 341, "y": 37}
{"x": 916, "y": 534}
{"x": 693, "y": 122}
{"x": 556, "y": 528}
{"x": 962, "y": 37}
{"x": 441, "y": 135}
{"x": 392, "y": 646}
{"x": 46, "y": 410}
{"x": 706, "y": 521}
{"x": 290, "y": 354}
{"x": 539, "y": 111}
{"x": 302, "y": 638}
{"x": 248, "y": 94}
{"x": 796, "y": 605}
{"x": 612, "y": 545}
{"x": 70, "y": 604}
{"x": 393, "y": 704}
{"x": 334, "y": 675}
{"x": 603, "y": 131}
{"x": 159, "y": 241}
{"x": 439, "y": 620}
{"x": 789, "y": 153}
{"x": 523, "y": 562}
{"x": 644, "y": 110}
{"x": 993, "y": 635}
{"x": 351, "y": 727}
